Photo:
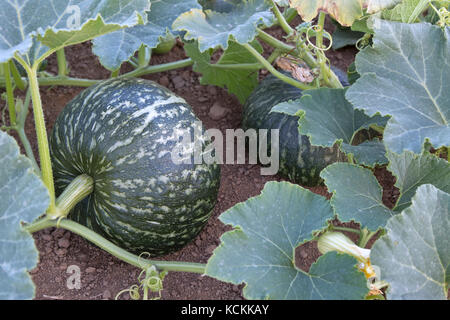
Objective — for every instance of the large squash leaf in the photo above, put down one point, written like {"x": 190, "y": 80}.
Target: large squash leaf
{"x": 406, "y": 11}
{"x": 214, "y": 29}
{"x": 260, "y": 250}
{"x": 344, "y": 11}
{"x": 116, "y": 47}
{"x": 23, "y": 199}
{"x": 62, "y": 23}
{"x": 414, "y": 255}
{"x": 405, "y": 75}
{"x": 413, "y": 170}
{"x": 327, "y": 117}
{"x": 240, "y": 82}
{"x": 357, "y": 195}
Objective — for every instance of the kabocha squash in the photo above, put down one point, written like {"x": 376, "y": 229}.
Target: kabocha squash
{"x": 299, "y": 160}
{"x": 121, "y": 133}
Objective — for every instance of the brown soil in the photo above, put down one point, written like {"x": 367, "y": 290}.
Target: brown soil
{"x": 103, "y": 276}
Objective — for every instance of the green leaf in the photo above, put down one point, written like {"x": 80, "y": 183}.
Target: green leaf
{"x": 407, "y": 11}
{"x": 240, "y": 82}
{"x": 343, "y": 37}
{"x": 23, "y": 199}
{"x": 362, "y": 25}
{"x": 329, "y": 118}
{"x": 357, "y": 195}
{"x": 344, "y": 11}
{"x": 352, "y": 74}
{"x": 414, "y": 255}
{"x": 405, "y": 75}
{"x": 260, "y": 250}
{"x": 368, "y": 153}
{"x": 62, "y": 23}
{"x": 116, "y": 47}
{"x": 413, "y": 170}
{"x": 219, "y": 5}
{"x": 214, "y": 29}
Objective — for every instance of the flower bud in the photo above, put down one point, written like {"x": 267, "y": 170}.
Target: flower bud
{"x": 336, "y": 241}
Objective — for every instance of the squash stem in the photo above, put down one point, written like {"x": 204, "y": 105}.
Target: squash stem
{"x": 319, "y": 43}
{"x": 281, "y": 19}
{"x": 76, "y": 191}
{"x": 111, "y": 248}
{"x": 275, "y": 72}
{"x": 62, "y": 62}
{"x": 18, "y": 81}
{"x": 10, "y": 94}
{"x": 41, "y": 132}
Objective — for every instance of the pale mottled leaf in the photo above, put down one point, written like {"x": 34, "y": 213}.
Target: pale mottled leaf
{"x": 357, "y": 195}
{"x": 405, "y": 75}
{"x": 23, "y": 199}
{"x": 412, "y": 170}
{"x": 61, "y": 23}
{"x": 344, "y": 11}
{"x": 414, "y": 255}
{"x": 260, "y": 250}
{"x": 214, "y": 29}
{"x": 327, "y": 117}
{"x": 368, "y": 153}
{"x": 116, "y": 47}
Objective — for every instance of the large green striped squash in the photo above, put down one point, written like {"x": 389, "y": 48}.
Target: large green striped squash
{"x": 121, "y": 133}
{"x": 299, "y": 161}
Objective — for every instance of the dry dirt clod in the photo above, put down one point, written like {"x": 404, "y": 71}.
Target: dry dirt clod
{"x": 90, "y": 270}
{"x": 178, "y": 82}
{"x": 46, "y": 237}
{"x": 164, "y": 81}
{"x": 61, "y": 252}
{"x": 63, "y": 243}
{"x": 218, "y": 112}
{"x": 107, "y": 294}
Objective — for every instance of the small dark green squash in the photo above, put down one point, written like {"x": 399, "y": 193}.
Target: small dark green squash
{"x": 121, "y": 133}
{"x": 299, "y": 160}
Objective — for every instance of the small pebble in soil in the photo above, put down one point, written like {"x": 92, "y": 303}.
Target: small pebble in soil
{"x": 106, "y": 294}
{"x": 61, "y": 252}
{"x": 212, "y": 90}
{"x": 90, "y": 270}
{"x": 210, "y": 249}
{"x": 63, "y": 243}
{"x": 164, "y": 81}
{"x": 46, "y": 237}
{"x": 178, "y": 82}
{"x": 217, "y": 112}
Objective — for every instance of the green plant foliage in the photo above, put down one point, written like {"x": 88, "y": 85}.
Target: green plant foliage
{"x": 260, "y": 249}
{"x": 414, "y": 255}
{"x": 402, "y": 77}
{"x": 357, "y": 195}
{"x": 368, "y": 153}
{"x": 23, "y": 199}
{"x": 240, "y": 82}
{"x": 214, "y": 29}
{"x": 112, "y": 52}
{"x": 63, "y": 23}
{"x": 327, "y": 117}
{"x": 413, "y": 170}
{"x": 345, "y": 36}
{"x": 406, "y": 11}
{"x": 344, "y": 11}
